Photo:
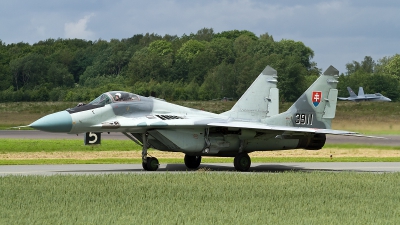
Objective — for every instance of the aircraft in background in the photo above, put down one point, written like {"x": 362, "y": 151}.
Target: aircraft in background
{"x": 377, "y": 97}
{"x": 253, "y": 123}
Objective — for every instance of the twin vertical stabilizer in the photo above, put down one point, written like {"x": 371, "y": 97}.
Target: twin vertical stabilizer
{"x": 261, "y": 99}
{"x": 315, "y": 108}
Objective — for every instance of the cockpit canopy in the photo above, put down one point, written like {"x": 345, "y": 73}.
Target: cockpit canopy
{"x": 105, "y": 99}
{"x": 114, "y": 96}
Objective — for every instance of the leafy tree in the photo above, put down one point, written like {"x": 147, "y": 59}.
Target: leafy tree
{"x": 381, "y": 63}
{"x": 189, "y": 50}
{"x": 353, "y": 67}
{"x": 295, "y": 48}
{"x": 184, "y": 57}
{"x": 242, "y": 44}
{"x": 115, "y": 57}
{"x": 201, "y": 64}
{"x": 5, "y": 77}
{"x": 393, "y": 67}
{"x": 205, "y": 34}
{"x": 266, "y": 36}
{"x": 146, "y": 65}
{"x": 29, "y": 70}
{"x": 384, "y": 84}
{"x": 223, "y": 50}
{"x": 220, "y": 82}
{"x": 244, "y": 72}
{"x": 161, "y": 47}
{"x": 233, "y": 34}
{"x": 149, "y": 38}
{"x": 59, "y": 76}
{"x": 192, "y": 90}
{"x": 262, "y": 48}
{"x": 291, "y": 76}
{"x": 209, "y": 89}
{"x": 368, "y": 64}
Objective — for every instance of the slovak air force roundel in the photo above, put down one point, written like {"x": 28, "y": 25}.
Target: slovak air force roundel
{"x": 316, "y": 98}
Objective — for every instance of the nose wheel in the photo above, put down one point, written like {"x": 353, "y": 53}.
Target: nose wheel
{"x": 148, "y": 163}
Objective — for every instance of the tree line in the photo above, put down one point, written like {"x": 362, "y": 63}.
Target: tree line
{"x": 200, "y": 66}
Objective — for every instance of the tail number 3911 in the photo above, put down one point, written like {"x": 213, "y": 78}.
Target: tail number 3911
{"x": 304, "y": 119}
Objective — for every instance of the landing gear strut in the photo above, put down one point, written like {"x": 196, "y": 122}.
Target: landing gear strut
{"x": 192, "y": 161}
{"x": 148, "y": 163}
{"x": 242, "y": 162}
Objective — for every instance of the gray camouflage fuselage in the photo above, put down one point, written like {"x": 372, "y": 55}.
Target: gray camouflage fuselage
{"x": 253, "y": 124}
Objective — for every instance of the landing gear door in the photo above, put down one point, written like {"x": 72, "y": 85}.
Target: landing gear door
{"x": 92, "y": 138}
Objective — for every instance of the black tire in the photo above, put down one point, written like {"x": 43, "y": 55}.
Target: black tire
{"x": 152, "y": 163}
{"x": 144, "y": 165}
{"x": 192, "y": 161}
{"x": 242, "y": 162}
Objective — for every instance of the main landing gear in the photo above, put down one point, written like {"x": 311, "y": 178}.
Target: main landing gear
{"x": 242, "y": 162}
{"x": 148, "y": 163}
{"x": 192, "y": 161}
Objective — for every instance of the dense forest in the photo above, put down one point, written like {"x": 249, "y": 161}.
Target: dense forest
{"x": 200, "y": 66}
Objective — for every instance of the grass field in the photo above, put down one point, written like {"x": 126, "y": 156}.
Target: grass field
{"x": 202, "y": 198}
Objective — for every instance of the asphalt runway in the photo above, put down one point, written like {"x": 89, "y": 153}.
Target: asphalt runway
{"x": 99, "y": 169}
{"x": 388, "y": 140}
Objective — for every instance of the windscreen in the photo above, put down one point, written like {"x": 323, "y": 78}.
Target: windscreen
{"x": 101, "y": 100}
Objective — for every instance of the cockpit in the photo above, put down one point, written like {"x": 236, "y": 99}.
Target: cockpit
{"x": 105, "y": 99}
{"x": 114, "y": 96}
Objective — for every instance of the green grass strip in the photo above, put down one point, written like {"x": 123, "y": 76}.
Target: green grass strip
{"x": 202, "y": 198}
{"x": 360, "y": 146}
{"x": 57, "y": 145}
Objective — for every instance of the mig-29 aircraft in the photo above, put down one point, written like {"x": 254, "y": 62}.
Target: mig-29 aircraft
{"x": 253, "y": 124}
{"x": 377, "y": 97}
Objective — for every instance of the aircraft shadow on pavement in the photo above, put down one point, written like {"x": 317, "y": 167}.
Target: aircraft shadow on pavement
{"x": 266, "y": 168}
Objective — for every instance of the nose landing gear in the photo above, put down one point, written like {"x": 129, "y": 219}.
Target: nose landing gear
{"x": 148, "y": 163}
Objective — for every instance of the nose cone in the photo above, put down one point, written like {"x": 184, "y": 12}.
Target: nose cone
{"x": 57, "y": 122}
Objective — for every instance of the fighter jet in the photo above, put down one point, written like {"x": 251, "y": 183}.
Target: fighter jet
{"x": 253, "y": 124}
{"x": 377, "y": 97}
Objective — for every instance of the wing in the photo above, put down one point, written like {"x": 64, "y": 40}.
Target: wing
{"x": 371, "y": 97}
{"x": 151, "y": 122}
{"x": 258, "y": 126}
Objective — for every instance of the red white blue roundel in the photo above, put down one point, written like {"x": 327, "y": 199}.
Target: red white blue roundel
{"x": 316, "y": 97}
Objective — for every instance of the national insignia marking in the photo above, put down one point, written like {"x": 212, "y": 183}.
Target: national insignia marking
{"x": 316, "y": 97}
